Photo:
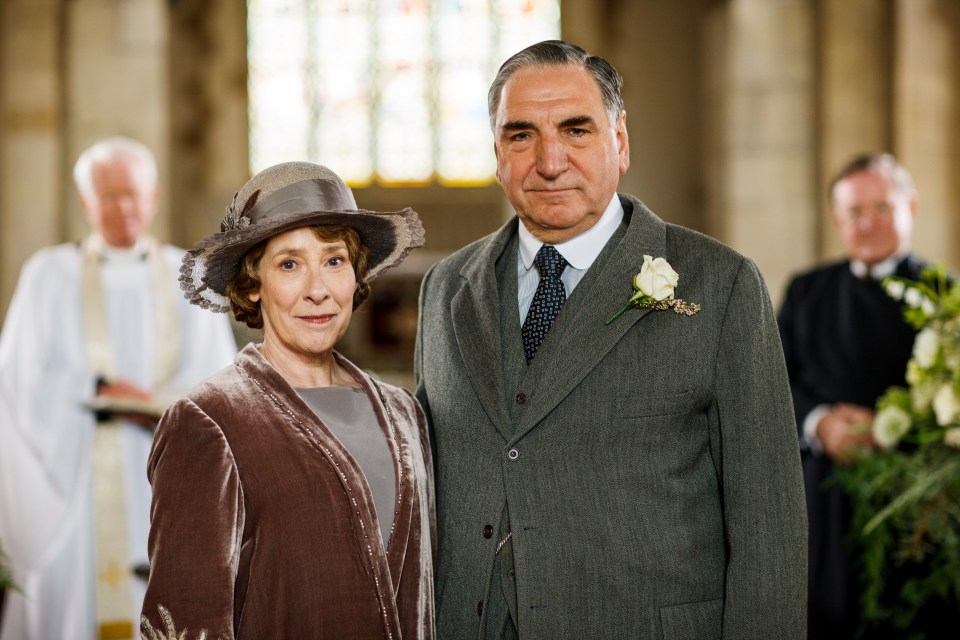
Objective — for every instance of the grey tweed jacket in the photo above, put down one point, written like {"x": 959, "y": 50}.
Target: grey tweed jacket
{"x": 648, "y": 469}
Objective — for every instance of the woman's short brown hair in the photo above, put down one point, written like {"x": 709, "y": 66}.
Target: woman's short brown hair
{"x": 247, "y": 280}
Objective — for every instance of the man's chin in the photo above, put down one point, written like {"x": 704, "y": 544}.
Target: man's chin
{"x": 873, "y": 257}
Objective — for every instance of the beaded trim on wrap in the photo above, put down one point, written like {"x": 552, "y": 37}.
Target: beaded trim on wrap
{"x": 365, "y": 530}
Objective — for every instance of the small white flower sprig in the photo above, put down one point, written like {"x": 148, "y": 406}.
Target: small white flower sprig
{"x": 654, "y": 287}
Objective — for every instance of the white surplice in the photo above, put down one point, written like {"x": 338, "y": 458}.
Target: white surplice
{"x": 46, "y": 435}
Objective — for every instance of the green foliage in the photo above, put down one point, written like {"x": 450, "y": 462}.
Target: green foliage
{"x": 906, "y": 500}
{"x": 6, "y": 575}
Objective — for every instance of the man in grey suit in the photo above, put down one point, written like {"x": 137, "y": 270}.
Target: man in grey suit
{"x": 604, "y": 475}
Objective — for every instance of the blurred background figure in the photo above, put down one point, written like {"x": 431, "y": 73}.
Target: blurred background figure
{"x": 846, "y": 342}
{"x": 293, "y": 493}
{"x": 97, "y": 340}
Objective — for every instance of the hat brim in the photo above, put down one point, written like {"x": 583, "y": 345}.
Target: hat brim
{"x": 214, "y": 261}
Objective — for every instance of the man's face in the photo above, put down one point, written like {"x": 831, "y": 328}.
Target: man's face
{"x": 875, "y": 219}
{"x": 123, "y": 203}
{"x": 559, "y": 158}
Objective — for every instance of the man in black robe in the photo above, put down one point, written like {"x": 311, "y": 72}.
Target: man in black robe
{"x": 846, "y": 342}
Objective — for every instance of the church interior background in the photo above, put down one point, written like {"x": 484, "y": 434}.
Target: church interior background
{"x": 738, "y": 112}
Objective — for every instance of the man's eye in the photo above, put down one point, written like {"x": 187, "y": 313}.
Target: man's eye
{"x": 578, "y": 132}
{"x": 520, "y": 136}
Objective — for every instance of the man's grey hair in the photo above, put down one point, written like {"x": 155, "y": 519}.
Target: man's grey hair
{"x": 107, "y": 151}
{"x": 902, "y": 179}
{"x": 558, "y": 53}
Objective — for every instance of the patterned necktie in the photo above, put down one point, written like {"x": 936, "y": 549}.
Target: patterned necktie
{"x": 547, "y": 300}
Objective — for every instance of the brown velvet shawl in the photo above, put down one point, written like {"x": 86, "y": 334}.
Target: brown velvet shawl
{"x": 263, "y": 526}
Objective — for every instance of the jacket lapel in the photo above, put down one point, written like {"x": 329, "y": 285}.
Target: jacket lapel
{"x": 582, "y": 339}
{"x": 476, "y": 322}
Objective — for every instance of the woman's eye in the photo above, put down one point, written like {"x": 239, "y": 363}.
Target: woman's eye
{"x": 336, "y": 261}
{"x": 288, "y": 264}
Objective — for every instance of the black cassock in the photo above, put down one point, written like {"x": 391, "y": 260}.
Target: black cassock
{"x": 845, "y": 340}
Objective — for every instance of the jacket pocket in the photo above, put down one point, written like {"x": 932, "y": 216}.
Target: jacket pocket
{"x": 692, "y": 620}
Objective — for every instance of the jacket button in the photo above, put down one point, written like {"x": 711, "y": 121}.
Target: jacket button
{"x": 521, "y": 398}
{"x": 513, "y": 454}
{"x": 480, "y": 608}
{"x": 488, "y": 531}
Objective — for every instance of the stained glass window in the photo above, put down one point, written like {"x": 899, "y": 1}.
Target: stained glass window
{"x": 385, "y": 91}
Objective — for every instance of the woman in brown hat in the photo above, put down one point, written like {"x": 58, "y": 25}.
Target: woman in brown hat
{"x": 292, "y": 492}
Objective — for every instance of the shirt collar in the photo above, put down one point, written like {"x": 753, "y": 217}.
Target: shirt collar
{"x": 880, "y": 270}
{"x": 581, "y": 251}
{"x": 123, "y": 254}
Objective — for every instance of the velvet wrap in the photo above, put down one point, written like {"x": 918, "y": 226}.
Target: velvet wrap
{"x": 263, "y": 525}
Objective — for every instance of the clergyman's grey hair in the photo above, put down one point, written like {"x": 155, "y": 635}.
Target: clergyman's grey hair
{"x": 108, "y": 150}
{"x": 902, "y": 179}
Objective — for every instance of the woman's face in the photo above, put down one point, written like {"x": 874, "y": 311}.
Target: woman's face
{"x": 306, "y": 294}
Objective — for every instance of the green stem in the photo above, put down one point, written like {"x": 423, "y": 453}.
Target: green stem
{"x": 618, "y": 313}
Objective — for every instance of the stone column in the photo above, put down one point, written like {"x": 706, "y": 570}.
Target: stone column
{"x": 856, "y": 92}
{"x": 761, "y": 142}
{"x": 117, "y": 84}
{"x": 927, "y": 119}
{"x": 30, "y": 96}
{"x": 209, "y": 113}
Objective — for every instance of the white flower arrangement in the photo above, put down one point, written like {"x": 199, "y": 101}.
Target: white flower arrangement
{"x": 906, "y": 496}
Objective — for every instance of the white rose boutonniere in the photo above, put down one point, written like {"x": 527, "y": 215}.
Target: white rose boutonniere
{"x": 654, "y": 288}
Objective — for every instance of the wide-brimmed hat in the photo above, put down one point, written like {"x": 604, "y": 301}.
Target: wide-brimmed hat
{"x": 284, "y": 197}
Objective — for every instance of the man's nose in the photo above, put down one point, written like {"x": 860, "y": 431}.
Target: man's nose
{"x": 551, "y": 156}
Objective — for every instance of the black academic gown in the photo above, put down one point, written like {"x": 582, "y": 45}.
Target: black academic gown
{"x": 844, "y": 340}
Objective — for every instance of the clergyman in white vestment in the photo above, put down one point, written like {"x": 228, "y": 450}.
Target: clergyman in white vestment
{"x": 105, "y": 317}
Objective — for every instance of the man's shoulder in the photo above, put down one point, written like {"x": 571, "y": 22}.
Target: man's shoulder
{"x": 65, "y": 250}
{"x": 53, "y": 259}
{"x": 681, "y": 242}
{"x": 684, "y": 240}
{"x": 823, "y": 272}
{"x": 172, "y": 252}
{"x": 452, "y": 265}
{"x": 814, "y": 284}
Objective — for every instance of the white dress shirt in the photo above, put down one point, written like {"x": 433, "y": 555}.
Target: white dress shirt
{"x": 579, "y": 252}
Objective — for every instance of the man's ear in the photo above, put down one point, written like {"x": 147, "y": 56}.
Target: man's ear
{"x": 86, "y": 208}
{"x": 623, "y": 142}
